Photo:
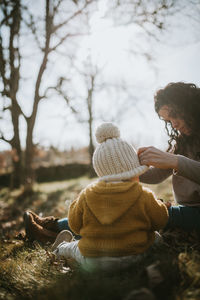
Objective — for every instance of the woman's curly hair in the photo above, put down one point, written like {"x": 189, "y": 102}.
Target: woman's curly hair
{"x": 183, "y": 99}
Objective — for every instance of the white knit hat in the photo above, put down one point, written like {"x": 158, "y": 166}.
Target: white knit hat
{"x": 115, "y": 159}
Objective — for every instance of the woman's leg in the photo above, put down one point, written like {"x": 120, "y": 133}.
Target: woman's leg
{"x": 64, "y": 225}
{"x": 184, "y": 217}
{"x": 44, "y": 229}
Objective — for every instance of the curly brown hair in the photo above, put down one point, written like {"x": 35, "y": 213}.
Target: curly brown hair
{"x": 183, "y": 99}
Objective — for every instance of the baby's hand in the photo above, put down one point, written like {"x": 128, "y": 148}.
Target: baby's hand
{"x": 168, "y": 204}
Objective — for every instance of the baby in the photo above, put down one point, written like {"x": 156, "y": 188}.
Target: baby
{"x": 115, "y": 216}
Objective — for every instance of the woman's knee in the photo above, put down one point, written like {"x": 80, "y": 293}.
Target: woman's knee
{"x": 184, "y": 217}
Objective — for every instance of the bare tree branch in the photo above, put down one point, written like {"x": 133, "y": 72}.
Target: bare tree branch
{"x": 68, "y": 35}
{"x": 58, "y": 26}
{"x": 56, "y": 7}
{"x": 37, "y": 97}
{"x": 44, "y": 96}
{"x": 32, "y": 26}
{"x": 3, "y": 69}
{"x": 7, "y": 108}
{"x": 2, "y": 137}
{"x": 140, "y": 13}
{"x": 6, "y": 14}
{"x": 60, "y": 92}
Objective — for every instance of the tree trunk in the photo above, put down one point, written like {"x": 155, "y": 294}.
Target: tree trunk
{"x": 90, "y": 123}
{"x": 29, "y": 153}
{"x": 91, "y": 151}
{"x": 13, "y": 82}
{"x": 17, "y": 174}
{"x": 29, "y": 174}
{"x": 17, "y": 159}
{"x": 91, "y": 146}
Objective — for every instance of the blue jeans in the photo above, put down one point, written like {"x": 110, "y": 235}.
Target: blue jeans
{"x": 63, "y": 225}
{"x": 184, "y": 217}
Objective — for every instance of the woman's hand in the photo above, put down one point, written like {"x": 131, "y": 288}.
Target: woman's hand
{"x": 152, "y": 156}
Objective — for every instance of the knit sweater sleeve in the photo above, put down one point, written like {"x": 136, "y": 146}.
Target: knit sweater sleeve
{"x": 188, "y": 168}
{"x": 75, "y": 214}
{"x": 157, "y": 212}
{"x": 155, "y": 175}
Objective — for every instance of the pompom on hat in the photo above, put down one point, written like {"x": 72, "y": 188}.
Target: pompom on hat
{"x": 115, "y": 159}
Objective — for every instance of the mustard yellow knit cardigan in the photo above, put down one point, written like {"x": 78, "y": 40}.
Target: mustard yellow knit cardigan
{"x": 116, "y": 219}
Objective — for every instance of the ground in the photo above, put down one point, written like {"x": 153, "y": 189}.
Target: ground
{"x": 170, "y": 270}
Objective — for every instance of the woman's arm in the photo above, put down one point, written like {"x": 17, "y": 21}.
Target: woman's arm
{"x": 188, "y": 168}
{"x": 155, "y": 175}
{"x": 152, "y": 156}
{"x": 162, "y": 161}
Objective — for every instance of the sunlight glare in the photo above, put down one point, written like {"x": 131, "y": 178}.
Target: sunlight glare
{"x": 106, "y": 44}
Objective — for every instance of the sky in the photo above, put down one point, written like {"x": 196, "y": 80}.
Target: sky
{"x": 176, "y": 58}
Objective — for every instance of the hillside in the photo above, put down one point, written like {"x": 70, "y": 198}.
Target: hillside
{"x": 28, "y": 271}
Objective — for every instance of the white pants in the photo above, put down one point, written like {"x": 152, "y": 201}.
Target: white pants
{"x": 90, "y": 264}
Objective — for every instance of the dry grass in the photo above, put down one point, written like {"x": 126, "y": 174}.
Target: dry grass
{"x": 28, "y": 271}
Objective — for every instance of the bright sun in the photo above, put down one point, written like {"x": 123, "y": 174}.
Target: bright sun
{"x": 106, "y": 44}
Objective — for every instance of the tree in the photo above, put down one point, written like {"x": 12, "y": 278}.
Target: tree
{"x": 50, "y": 29}
{"x": 154, "y": 18}
{"x": 81, "y": 101}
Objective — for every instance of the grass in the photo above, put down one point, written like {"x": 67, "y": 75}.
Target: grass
{"x": 28, "y": 270}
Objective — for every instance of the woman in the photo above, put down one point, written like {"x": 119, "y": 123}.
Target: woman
{"x": 178, "y": 104}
